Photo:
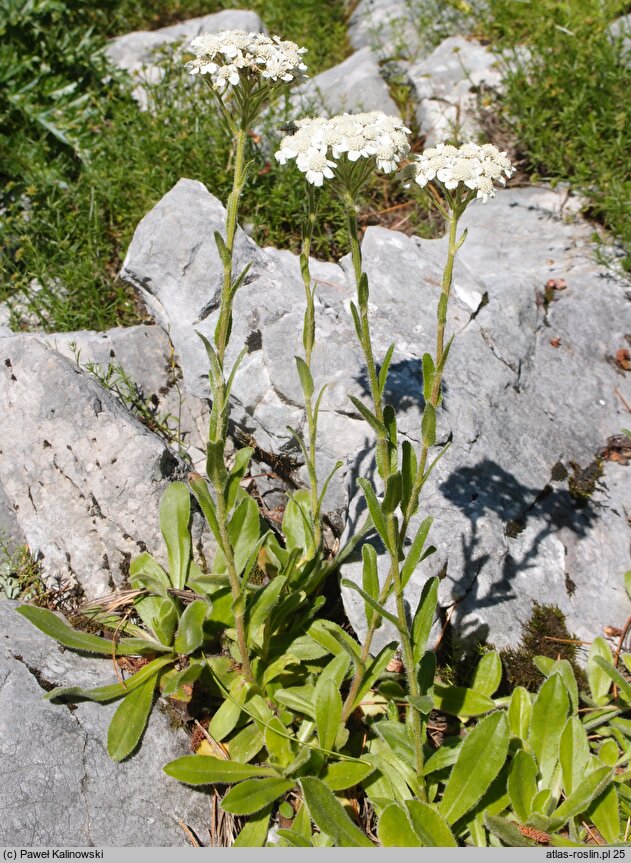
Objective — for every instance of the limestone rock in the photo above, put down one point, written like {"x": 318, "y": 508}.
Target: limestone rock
{"x": 138, "y": 53}
{"x": 59, "y": 786}
{"x": 353, "y": 85}
{"x": 84, "y": 477}
{"x": 444, "y": 85}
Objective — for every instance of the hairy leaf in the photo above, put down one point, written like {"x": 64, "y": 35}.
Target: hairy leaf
{"x": 129, "y": 720}
{"x": 254, "y": 794}
{"x": 330, "y": 817}
{"x": 208, "y": 770}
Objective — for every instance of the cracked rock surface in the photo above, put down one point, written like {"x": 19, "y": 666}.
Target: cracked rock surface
{"x": 59, "y": 785}
{"x": 83, "y": 476}
{"x": 516, "y": 403}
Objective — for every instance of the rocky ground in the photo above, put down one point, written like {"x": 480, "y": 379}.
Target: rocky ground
{"x": 532, "y": 501}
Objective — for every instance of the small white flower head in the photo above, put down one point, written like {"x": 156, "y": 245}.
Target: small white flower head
{"x": 320, "y": 141}
{"x": 232, "y": 55}
{"x": 475, "y": 167}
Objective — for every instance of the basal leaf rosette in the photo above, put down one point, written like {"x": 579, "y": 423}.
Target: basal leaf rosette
{"x": 348, "y": 147}
{"x": 462, "y": 173}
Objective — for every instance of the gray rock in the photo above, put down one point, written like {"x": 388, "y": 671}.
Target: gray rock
{"x": 402, "y": 29}
{"x": 11, "y": 535}
{"x": 84, "y": 477}
{"x": 138, "y": 53}
{"x": 444, "y": 85}
{"x": 59, "y": 786}
{"x": 621, "y": 29}
{"x": 354, "y": 85}
{"x": 512, "y": 402}
{"x": 506, "y": 533}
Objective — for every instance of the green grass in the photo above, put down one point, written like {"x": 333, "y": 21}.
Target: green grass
{"x": 569, "y": 103}
{"x": 82, "y": 166}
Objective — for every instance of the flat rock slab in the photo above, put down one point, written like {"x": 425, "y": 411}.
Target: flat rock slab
{"x": 138, "y": 53}
{"x": 84, "y": 477}
{"x": 516, "y": 401}
{"x": 444, "y": 88}
{"x": 59, "y": 786}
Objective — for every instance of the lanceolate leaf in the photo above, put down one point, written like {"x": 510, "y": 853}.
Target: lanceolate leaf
{"x": 255, "y": 830}
{"x": 579, "y": 800}
{"x": 374, "y": 508}
{"x": 519, "y": 713}
{"x": 330, "y": 817}
{"x": 430, "y": 826}
{"x": 481, "y": 758}
{"x": 129, "y": 720}
{"x": 416, "y": 550}
{"x": 254, "y": 794}
{"x": 371, "y": 603}
{"x": 549, "y": 714}
{"x": 460, "y": 701}
{"x": 370, "y": 577}
{"x": 605, "y": 813}
{"x": 344, "y": 774}
{"x": 506, "y": 831}
{"x": 52, "y": 625}
{"x": 599, "y": 681}
{"x": 574, "y": 753}
{"x": 208, "y": 770}
{"x": 190, "y": 633}
{"x": 621, "y": 682}
{"x": 114, "y": 690}
{"x": 328, "y": 710}
{"x": 522, "y": 784}
{"x": 488, "y": 674}
{"x": 175, "y": 512}
{"x": 395, "y": 830}
{"x": 424, "y": 617}
{"x": 369, "y": 416}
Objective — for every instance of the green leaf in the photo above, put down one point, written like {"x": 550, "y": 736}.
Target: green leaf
{"x": 522, "y": 784}
{"x": 445, "y": 756}
{"x": 306, "y": 378}
{"x": 378, "y": 610}
{"x": 176, "y": 684}
{"x": 263, "y": 604}
{"x": 370, "y": 418}
{"x": 604, "y": 812}
{"x": 370, "y": 578}
{"x": 175, "y": 512}
{"x": 247, "y": 743}
{"x": 295, "y": 839}
{"x": 254, "y": 832}
{"x": 395, "y": 830}
{"x": 50, "y": 624}
{"x": 574, "y": 754}
{"x": 430, "y": 826}
{"x": 278, "y": 745}
{"x": 330, "y": 817}
{"x": 298, "y": 698}
{"x": 481, "y": 758}
{"x": 506, "y": 831}
{"x": 374, "y": 508}
{"x": 113, "y": 691}
{"x": 244, "y": 532}
{"x": 408, "y": 472}
{"x": 190, "y": 632}
{"x": 385, "y": 366}
{"x": 428, "y": 376}
{"x": 328, "y": 712}
{"x": 297, "y": 523}
{"x": 254, "y": 794}
{"x": 627, "y": 575}
{"x": 340, "y": 775}
{"x": 519, "y": 713}
{"x": 599, "y": 681}
{"x": 460, "y": 701}
{"x": 488, "y": 674}
{"x": 392, "y": 497}
{"x": 208, "y": 770}
{"x": 227, "y": 716}
{"x": 415, "y": 553}
{"x": 621, "y": 682}
{"x": 397, "y": 736}
{"x": 549, "y": 715}
{"x": 242, "y": 459}
{"x": 424, "y": 617}
{"x": 224, "y": 254}
{"x": 129, "y": 720}
{"x": 591, "y": 787}
{"x": 428, "y": 425}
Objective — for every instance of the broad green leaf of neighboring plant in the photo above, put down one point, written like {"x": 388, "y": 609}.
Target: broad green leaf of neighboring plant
{"x": 574, "y": 754}
{"x": 129, "y": 720}
{"x": 605, "y": 814}
{"x": 208, "y": 770}
{"x": 599, "y": 681}
{"x": 549, "y": 715}
{"x": 430, "y": 826}
{"x": 395, "y": 829}
{"x": 252, "y": 795}
{"x": 481, "y": 758}
{"x": 522, "y": 784}
{"x": 175, "y": 513}
{"x": 329, "y": 815}
{"x": 488, "y": 674}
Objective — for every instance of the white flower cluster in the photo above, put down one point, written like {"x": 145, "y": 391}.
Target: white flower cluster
{"x": 477, "y": 167}
{"x": 230, "y": 54}
{"x": 318, "y": 142}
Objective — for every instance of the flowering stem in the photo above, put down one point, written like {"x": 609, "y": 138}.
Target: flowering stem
{"x": 308, "y": 339}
